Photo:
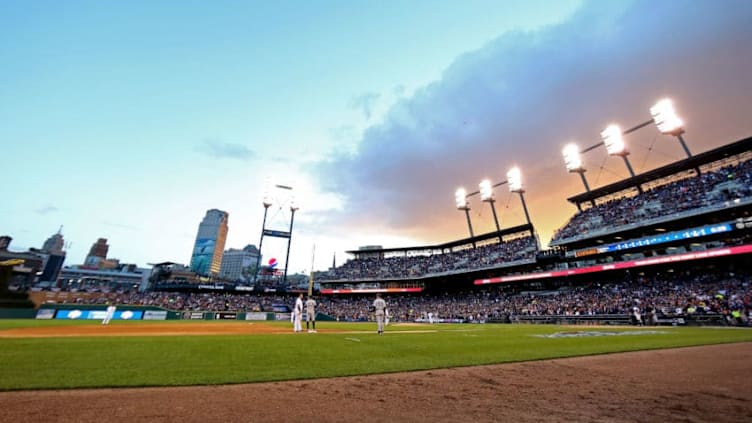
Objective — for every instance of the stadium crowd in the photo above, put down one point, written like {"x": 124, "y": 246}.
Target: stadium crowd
{"x": 708, "y": 189}
{"x": 668, "y": 294}
{"x": 189, "y": 301}
{"x": 397, "y": 267}
{"x": 665, "y": 295}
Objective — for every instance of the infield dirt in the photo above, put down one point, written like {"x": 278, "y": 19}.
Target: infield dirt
{"x": 153, "y": 329}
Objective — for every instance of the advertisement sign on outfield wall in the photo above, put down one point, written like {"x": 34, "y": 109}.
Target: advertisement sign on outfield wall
{"x": 155, "y": 315}
{"x": 46, "y": 313}
{"x": 76, "y": 314}
{"x": 255, "y": 316}
{"x": 194, "y": 315}
{"x": 225, "y": 316}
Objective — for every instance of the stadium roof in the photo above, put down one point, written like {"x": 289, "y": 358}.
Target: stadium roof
{"x": 690, "y": 163}
{"x": 451, "y": 244}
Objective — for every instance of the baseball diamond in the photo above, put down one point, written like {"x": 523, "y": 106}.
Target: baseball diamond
{"x": 691, "y": 382}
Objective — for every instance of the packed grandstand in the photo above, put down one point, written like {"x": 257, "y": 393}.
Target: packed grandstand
{"x": 671, "y": 245}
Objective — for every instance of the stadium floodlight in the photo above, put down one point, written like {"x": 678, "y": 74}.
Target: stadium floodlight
{"x": 573, "y": 162}
{"x": 486, "y": 191}
{"x": 614, "y": 140}
{"x": 665, "y": 118}
{"x": 514, "y": 179}
{"x": 612, "y": 137}
{"x": 460, "y": 199}
{"x": 572, "y": 159}
{"x": 486, "y": 194}
{"x": 669, "y": 123}
{"x": 267, "y": 201}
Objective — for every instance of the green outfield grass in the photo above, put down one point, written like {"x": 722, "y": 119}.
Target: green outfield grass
{"x": 88, "y": 362}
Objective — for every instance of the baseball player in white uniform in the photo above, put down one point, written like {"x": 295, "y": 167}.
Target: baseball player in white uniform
{"x": 109, "y": 314}
{"x": 298, "y": 314}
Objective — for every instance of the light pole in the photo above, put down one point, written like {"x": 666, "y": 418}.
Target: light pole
{"x": 573, "y": 162}
{"x": 613, "y": 138}
{"x": 460, "y": 199}
{"x": 514, "y": 179}
{"x": 486, "y": 194}
{"x": 293, "y": 209}
{"x": 267, "y": 203}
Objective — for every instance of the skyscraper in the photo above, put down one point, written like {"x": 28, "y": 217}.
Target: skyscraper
{"x": 97, "y": 253}
{"x": 53, "y": 257}
{"x": 240, "y": 265}
{"x": 54, "y": 244}
{"x": 210, "y": 243}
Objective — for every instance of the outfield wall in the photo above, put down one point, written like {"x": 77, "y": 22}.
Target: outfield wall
{"x": 127, "y": 312}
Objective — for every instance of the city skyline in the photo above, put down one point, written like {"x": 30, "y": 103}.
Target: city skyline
{"x": 129, "y": 122}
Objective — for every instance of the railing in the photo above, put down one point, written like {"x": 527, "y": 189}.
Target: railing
{"x": 697, "y": 319}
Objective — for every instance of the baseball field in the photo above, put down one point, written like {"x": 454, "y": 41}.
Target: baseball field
{"x": 262, "y": 371}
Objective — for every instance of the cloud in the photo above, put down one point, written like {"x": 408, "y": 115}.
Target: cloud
{"x": 365, "y": 104}
{"x": 49, "y": 208}
{"x": 223, "y": 150}
{"x": 344, "y": 134}
{"x": 524, "y": 95}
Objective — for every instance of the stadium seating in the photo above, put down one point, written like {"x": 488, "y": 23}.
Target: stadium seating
{"x": 711, "y": 189}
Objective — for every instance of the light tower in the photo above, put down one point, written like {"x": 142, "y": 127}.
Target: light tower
{"x": 573, "y": 162}
{"x": 293, "y": 208}
{"x": 668, "y": 122}
{"x": 486, "y": 195}
{"x": 613, "y": 139}
{"x": 514, "y": 179}
{"x": 663, "y": 116}
{"x": 460, "y": 199}
{"x": 267, "y": 202}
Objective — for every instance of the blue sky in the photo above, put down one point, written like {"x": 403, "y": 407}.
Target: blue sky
{"x": 128, "y": 120}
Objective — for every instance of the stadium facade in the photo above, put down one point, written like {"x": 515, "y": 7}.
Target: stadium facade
{"x": 692, "y": 213}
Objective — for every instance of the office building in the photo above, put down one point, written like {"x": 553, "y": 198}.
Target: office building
{"x": 239, "y": 265}
{"x": 97, "y": 253}
{"x": 209, "y": 247}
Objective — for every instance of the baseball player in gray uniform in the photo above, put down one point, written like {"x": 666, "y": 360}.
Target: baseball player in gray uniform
{"x": 380, "y": 306}
{"x": 310, "y": 306}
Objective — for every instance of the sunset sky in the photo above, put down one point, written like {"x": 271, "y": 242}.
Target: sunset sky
{"x": 128, "y": 120}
